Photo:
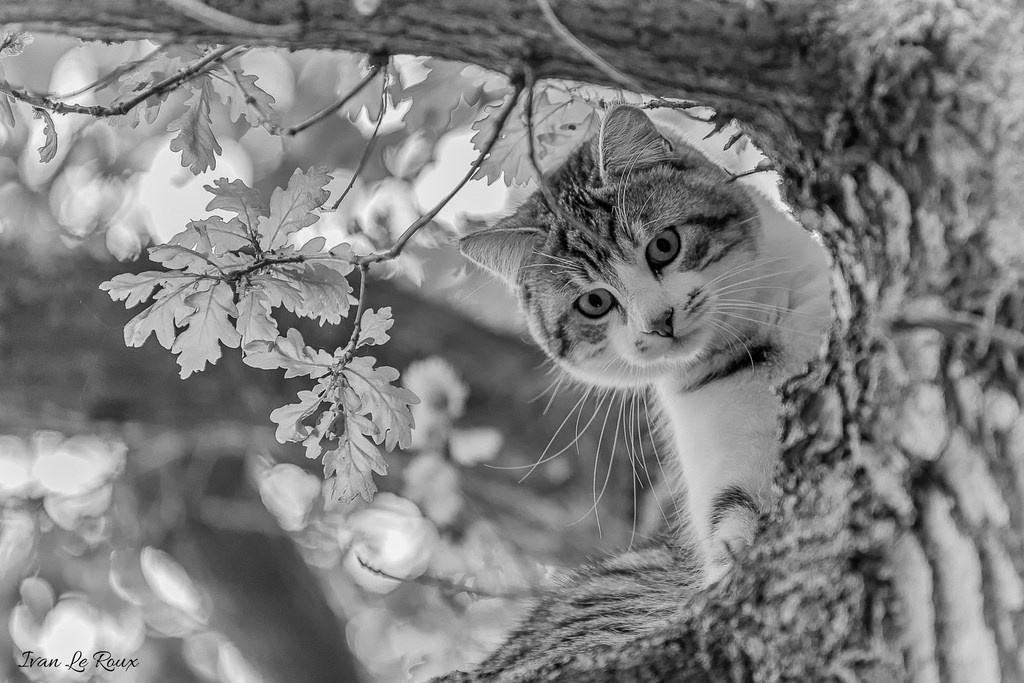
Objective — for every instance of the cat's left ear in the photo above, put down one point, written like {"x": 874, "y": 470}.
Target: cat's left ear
{"x": 501, "y": 251}
{"x": 629, "y": 139}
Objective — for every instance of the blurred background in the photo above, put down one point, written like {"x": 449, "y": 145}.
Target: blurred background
{"x": 159, "y": 519}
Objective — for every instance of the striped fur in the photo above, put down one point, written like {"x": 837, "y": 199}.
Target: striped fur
{"x": 709, "y": 333}
{"x": 604, "y": 605}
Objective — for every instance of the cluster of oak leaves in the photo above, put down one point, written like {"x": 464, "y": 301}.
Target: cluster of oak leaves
{"x": 222, "y": 280}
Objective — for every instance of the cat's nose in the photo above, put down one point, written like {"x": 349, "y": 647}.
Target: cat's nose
{"x": 661, "y": 325}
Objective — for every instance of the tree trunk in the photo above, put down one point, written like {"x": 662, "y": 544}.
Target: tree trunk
{"x": 896, "y": 551}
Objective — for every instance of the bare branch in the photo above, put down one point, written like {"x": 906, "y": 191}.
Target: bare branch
{"x": 222, "y": 21}
{"x": 369, "y": 144}
{"x": 103, "y": 81}
{"x": 681, "y": 107}
{"x": 328, "y": 110}
{"x": 99, "y": 111}
{"x": 446, "y": 584}
{"x": 422, "y": 221}
{"x": 763, "y": 167}
{"x": 545, "y": 191}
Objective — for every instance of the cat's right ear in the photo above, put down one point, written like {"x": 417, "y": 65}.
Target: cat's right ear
{"x": 629, "y": 139}
{"x": 501, "y": 251}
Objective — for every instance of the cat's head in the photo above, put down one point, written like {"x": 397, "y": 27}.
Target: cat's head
{"x": 618, "y": 282}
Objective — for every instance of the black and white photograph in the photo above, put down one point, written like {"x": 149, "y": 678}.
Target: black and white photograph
{"x": 503, "y": 341}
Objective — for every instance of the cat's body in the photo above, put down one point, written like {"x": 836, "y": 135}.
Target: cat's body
{"x": 646, "y": 266}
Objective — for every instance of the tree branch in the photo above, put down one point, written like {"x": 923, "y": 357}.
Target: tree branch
{"x": 369, "y": 143}
{"x": 581, "y": 48}
{"x": 422, "y": 221}
{"x": 702, "y": 49}
{"x": 99, "y": 111}
{"x": 222, "y": 21}
{"x": 103, "y": 81}
{"x": 328, "y": 110}
{"x": 357, "y": 321}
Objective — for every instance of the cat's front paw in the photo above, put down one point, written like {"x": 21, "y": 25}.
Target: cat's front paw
{"x": 732, "y": 522}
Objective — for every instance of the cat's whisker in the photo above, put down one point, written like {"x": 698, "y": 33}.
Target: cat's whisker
{"x": 764, "y": 276}
{"x": 602, "y": 394}
{"x": 626, "y": 416}
{"x": 760, "y": 306}
{"x": 557, "y": 259}
{"x": 657, "y": 459}
{"x": 542, "y": 459}
{"x": 553, "y": 267}
{"x": 638, "y": 447}
{"x": 597, "y": 462}
{"x": 476, "y": 289}
{"x": 632, "y": 434}
{"x": 558, "y": 380}
{"x": 760, "y": 288}
{"x": 737, "y": 336}
{"x": 745, "y": 266}
{"x": 737, "y": 271}
{"x": 643, "y": 225}
{"x": 769, "y": 324}
{"x": 620, "y": 199}
{"x": 555, "y": 386}
{"x": 730, "y": 340}
{"x": 639, "y": 457}
{"x": 640, "y": 212}
{"x": 641, "y": 393}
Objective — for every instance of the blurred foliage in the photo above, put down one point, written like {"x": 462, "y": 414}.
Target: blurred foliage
{"x": 423, "y": 588}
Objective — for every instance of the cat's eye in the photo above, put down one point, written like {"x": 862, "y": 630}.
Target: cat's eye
{"x": 595, "y": 303}
{"x": 663, "y": 248}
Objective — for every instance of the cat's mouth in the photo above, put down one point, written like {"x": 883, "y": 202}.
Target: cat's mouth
{"x": 688, "y": 343}
{"x": 682, "y": 345}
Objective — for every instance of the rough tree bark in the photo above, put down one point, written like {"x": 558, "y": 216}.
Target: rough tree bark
{"x": 896, "y": 551}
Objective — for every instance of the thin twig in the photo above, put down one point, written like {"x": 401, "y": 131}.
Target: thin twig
{"x": 628, "y": 81}
{"x": 326, "y": 111}
{"x": 103, "y": 81}
{"x": 445, "y": 584}
{"x": 423, "y": 220}
{"x": 762, "y": 167}
{"x": 681, "y": 107}
{"x": 357, "y": 324}
{"x": 584, "y": 51}
{"x": 549, "y": 198}
{"x": 233, "y": 25}
{"x": 369, "y": 144}
{"x": 100, "y": 111}
{"x": 957, "y": 322}
{"x": 530, "y": 145}
{"x": 270, "y": 261}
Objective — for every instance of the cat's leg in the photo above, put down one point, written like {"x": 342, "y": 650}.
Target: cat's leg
{"x": 726, "y": 448}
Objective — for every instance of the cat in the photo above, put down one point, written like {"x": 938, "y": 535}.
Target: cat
{"x": 645, "y": 265}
